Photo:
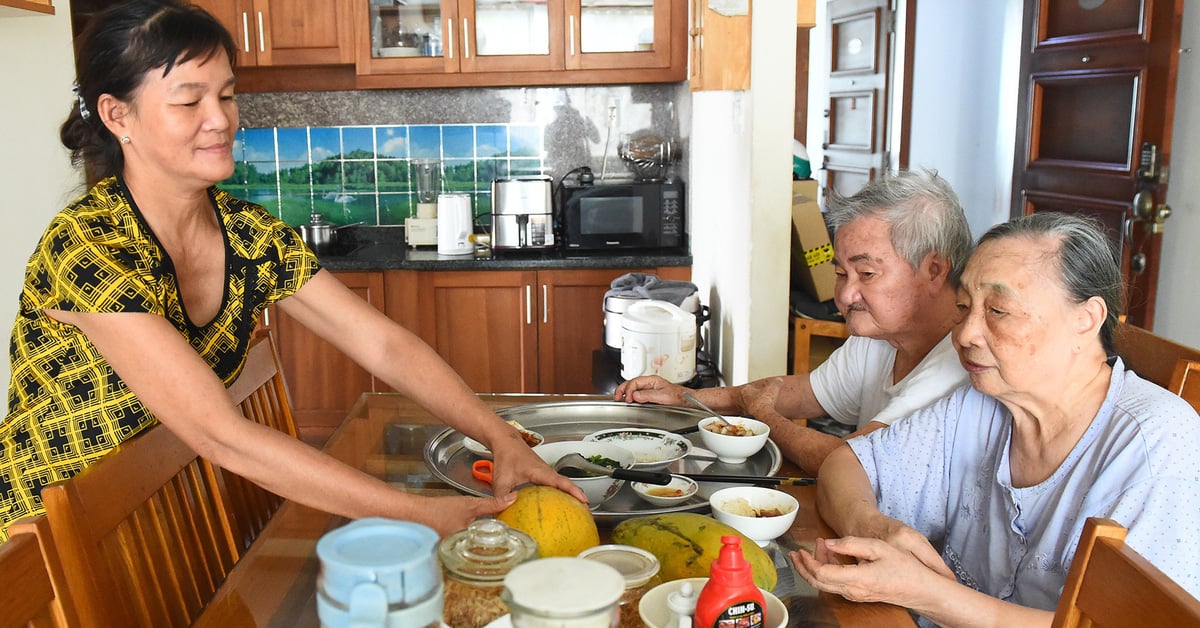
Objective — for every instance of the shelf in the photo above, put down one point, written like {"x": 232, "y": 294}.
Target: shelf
{"x": 24, "y": 8}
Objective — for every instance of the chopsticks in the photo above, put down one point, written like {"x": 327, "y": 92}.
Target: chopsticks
{"x": 750, "y": 479}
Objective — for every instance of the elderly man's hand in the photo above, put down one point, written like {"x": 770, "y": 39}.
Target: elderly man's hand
{"x": 650, "y": 389}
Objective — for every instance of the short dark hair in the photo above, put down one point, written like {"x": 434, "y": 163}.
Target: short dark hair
{"x": 118, "y": 48}
{"x": 922, "y": 210}
{"x": 1087, "y": 260}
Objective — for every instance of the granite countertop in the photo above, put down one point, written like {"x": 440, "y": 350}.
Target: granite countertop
{"x": 383, "y": 248}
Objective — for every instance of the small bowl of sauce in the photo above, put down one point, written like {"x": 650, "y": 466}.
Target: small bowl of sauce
{"x": 680, "y": 490}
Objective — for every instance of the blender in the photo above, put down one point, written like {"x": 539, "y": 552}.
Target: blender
{"x": 421, "y": 230}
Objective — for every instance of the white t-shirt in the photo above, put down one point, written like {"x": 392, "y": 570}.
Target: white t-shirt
{"x": 855, "y": 384}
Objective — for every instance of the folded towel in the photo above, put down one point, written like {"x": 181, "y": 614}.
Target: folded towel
{"x": 645, "y": 286}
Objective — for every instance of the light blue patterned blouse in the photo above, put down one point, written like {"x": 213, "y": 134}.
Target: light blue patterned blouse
{"x": 945, "y": 472}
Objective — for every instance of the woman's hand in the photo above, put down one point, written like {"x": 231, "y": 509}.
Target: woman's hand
{"x": 516, "y": 464}
{"x": 883, "y": 573}
{"x": 448, "y": 515}
{"x": 650, "y": 389}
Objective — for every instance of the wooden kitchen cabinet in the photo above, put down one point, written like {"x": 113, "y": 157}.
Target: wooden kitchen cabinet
{"x": 323, "y": 382}
{"x": 520, "y": 331}
{"x": 486, "y": 42}
{"x": 287, "y": 32}
{"x": 720, "y": 49}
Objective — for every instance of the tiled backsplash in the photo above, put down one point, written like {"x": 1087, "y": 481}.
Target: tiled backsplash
{"x": 364, "y": 174}
{"x": 348, "y": 155}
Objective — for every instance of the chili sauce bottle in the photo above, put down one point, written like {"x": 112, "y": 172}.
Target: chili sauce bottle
{"x": 729, "y": 598}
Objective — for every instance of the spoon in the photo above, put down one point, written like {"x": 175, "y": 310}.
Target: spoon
{"x": 577, "y": 461}
{"x": 699, "y": 404}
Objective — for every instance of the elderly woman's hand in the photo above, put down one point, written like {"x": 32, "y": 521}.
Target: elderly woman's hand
{"x": 516, "y": 464}
{"x": 882, "y": 573}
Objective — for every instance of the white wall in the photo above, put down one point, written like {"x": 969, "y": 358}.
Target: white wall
{"x": 1178, "y": 303}
{"x": 740, "y": 197}
{"x": 35, "y": 169}
{"x": 965, "y": 77}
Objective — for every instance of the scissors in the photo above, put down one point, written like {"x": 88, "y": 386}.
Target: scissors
{"x": 482, "y": 470}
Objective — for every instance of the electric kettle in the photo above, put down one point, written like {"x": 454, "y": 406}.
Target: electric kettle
{"x": 455, "y": 223}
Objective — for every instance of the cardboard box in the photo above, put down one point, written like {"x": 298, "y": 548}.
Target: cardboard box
{"x": 812, "y": 252}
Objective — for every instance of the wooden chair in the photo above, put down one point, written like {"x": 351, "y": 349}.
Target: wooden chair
{"x": 28, "y": 595}
{"x": 262, "y": 395}
{"x": 1112, "y": 585}
{"x": 803, "y": 329}
{"x": 142, "y": 534}
{"x": 1185, "y": 382}
{"x": 1149, "y": 355}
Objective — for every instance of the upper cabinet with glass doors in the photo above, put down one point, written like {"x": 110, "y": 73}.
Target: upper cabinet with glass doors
{"x": 519, "y": 42}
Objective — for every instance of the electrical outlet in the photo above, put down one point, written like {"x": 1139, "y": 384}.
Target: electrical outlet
{"x": 612, "y": 112}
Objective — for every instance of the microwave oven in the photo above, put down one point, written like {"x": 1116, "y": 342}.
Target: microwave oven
{"x": 637, "y": 215}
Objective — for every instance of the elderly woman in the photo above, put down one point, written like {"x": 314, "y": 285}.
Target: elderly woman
{"x": 141, "y": 298}
{"x": 970, "y": 511}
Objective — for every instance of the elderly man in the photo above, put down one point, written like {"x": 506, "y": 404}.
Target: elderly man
{"x": 900, "y": 245}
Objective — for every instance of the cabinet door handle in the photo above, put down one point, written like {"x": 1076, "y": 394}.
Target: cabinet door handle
{"x": 450, "y": 36}
{"x": 266, "y": 317}
{"x": 572, "y": 35}
{"x": 261, "y": 43}
{"x": 528, "y": 304}
{"x": 466, "y": 41}
{"x": 246, "y": 32}
{"x": 545, "y": 306}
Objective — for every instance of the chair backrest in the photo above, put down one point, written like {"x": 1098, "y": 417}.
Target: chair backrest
{"x": 1110, "y": 584}
{"x": 1149, "y": 355}
{"x": 262, "y": 395}
{"x": 28, "y": 595}
{"x": 1185, "y": 382}
{"x": 142, "y": 534}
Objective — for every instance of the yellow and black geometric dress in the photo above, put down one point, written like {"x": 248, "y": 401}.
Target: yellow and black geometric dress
{"x": 66, "y": 406}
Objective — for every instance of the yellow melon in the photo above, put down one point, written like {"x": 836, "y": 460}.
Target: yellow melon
{"x": 561, "y": 524}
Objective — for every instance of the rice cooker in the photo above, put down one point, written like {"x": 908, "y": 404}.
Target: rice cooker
{"x": 658, "y": 338}
{"x": 615, "y": 307}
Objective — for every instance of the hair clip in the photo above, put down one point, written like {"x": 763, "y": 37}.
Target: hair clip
{"x": 83, "y": 110}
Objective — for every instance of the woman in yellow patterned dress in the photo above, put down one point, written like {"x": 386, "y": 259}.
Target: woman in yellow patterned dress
{"x": 140, "y": 300}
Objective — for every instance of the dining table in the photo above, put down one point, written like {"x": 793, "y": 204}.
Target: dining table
{"x": 275, "y": 582}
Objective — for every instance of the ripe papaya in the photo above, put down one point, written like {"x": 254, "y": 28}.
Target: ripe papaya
{"x": 686, "y": 543}
{"x": 561, "y": 524}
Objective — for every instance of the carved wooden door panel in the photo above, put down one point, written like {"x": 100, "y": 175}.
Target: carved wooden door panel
{"x": 1094, "y": 124}
{"x": 855, "y": 143}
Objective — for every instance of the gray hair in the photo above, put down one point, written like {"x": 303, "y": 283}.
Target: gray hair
{"x": 922, "y": 210}
{"x": 1087, "y": 260}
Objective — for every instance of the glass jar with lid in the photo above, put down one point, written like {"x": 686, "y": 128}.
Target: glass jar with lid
{"x": 475, "y": 561}
{"x": 638, "y": 567}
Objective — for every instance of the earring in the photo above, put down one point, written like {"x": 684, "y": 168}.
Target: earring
{"x": 124, "y": 139}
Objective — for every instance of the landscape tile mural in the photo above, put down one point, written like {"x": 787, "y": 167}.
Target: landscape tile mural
{"x": 352, "y": 174}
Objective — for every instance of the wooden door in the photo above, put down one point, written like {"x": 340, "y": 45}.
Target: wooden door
{"x": 323, "y": 381}
{"x": 855, "y": 146}
{"x": 1098, "y": 85}
{"x": 483, "y": 325}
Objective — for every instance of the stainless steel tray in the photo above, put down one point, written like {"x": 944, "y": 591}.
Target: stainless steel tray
{"x": 572, "y": 420}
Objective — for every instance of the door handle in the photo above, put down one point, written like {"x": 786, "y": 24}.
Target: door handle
{"x": 545, "y": 306}
{"x": 466, "y": 41}
{"x": 262, "y": 47}
{"x": 528, "y": 304}
{"x": 450, "y": 37}
{"x": 246, "y": 32}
